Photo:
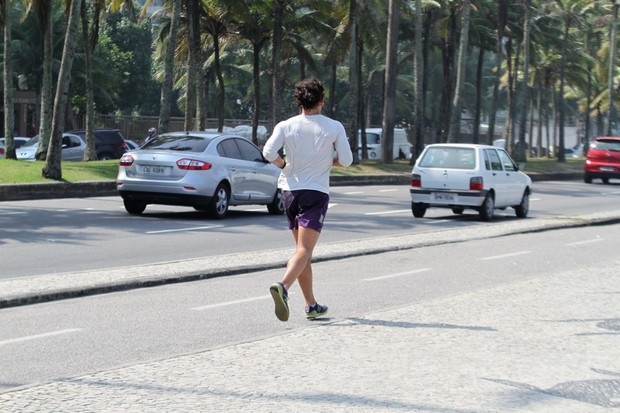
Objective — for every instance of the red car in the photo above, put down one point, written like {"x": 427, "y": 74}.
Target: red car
{"x": 603, "y": 160}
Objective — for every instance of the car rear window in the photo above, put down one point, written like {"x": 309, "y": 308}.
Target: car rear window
{"x": 184, "y": 143}
{"x": 449, "y": 158}
{"x": 609, "y": 145}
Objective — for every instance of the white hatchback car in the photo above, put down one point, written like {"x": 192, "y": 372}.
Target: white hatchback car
{"x": 468, "y": 176}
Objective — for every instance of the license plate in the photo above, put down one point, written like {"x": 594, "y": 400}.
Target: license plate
{"x": 607, "y": 168}
{"x": 154, "y": 170}
{"x": 444, "y": 197}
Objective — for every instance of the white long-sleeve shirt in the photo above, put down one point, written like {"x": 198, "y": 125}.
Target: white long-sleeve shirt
{"x": 311, "y": 143}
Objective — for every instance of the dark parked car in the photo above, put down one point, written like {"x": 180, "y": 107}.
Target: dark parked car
{"x": 603, "y": 160}
{"x": 109, "y": 143}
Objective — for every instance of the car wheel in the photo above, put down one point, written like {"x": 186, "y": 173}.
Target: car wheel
{"x": 104, "y": 156}
{"x": 418, "y": 209}
{"x": 487, "y": 208}
{"x": 457, "y": 210}
{"x": 276, "y": 207}
{"x": 605, "y": 180}
{"x": 523, "y": 208}
{"x": 134, "y": 207}
{"x": 587, "y": 179}
{"x": 219, "y": 204}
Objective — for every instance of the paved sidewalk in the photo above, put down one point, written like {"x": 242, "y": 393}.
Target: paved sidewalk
{"x": 545, "y": 345}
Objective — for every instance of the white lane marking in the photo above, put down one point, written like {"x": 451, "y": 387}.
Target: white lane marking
{"x": 227, "y": 303}
{"x": 37, "y": 336}
{"x": 354, "y": 193}
{"x": 330, "y": 205}
{"x": 398, "y": 211}
{"x": 163, "y": 231}
{"x": 534, "y": 199}
{"x": 398, "y": 274}
{"x": 439, "y": 221}
{"x": 611, "y": 193}
{"x": 589, "y": 241}
{"x": 512, "y": 254}
{"x": 388, "y": 190}
{"x": 14, "y": 213}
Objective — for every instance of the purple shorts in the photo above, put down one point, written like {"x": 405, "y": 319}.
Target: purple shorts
{"x": 306, "y": 208}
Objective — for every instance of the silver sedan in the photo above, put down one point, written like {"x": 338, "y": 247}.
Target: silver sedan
{"x": 205, "y": 170}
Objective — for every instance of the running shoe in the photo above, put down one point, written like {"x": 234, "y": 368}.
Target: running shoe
{"x": 280, "y": 299}
{"x": 315, "y": 311}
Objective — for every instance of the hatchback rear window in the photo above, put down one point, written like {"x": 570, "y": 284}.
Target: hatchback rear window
{"x": 608, "y": 145}
{"x": 184, "y": 143}
{"x": 449, "y": 158}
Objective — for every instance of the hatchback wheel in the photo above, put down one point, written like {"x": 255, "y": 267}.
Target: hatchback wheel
{"x": 487, "y": 208}
{"x": 523, "y": 208}
{"x": 587, "y": 179}
{"x": 134, "y": 207}
{"x": 418, "y": 209}
{"x": 219, "y": 204}
{"x": 105, "y": 156}
{"x": 276, "y": 207}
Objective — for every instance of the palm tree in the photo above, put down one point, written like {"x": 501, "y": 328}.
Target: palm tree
{"x": 9, "y": 121}
{"x": 502, "y": 17}
{"x": 455, "y": 113}
{"x": 166, "y": 87}
{"x": 524, "y": 98}
{"x": 252, "y": 23}
{"x": 612, "y": 67}
{"x": 52, "y": 168}
{"x": 418, "y": 74}
{"x": 391, "y": 71}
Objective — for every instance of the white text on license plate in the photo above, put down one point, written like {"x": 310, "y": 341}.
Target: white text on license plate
{"x": 153, "y": 170}
{"x": 607, "y": 168}
{"x": 444, "y": 197}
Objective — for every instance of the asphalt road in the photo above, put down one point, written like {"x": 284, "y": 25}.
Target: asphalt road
{"x": 39, "y": 237}
{"x": 60, "y": 339}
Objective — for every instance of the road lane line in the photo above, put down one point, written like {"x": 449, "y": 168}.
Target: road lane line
{"x": 163, "y": 231}
{"x": 397, "y": 211}
{"x": 388, "y": 190}
{"x": 37, "y": 336}
{"x": 589, "y": 241}
{"x": 354, "y": 193}
{"x": 512, "y": 254}
{"x": 398, "y": 274}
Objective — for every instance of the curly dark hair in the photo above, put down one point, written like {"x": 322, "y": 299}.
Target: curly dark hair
{"x": 308, "y": 93}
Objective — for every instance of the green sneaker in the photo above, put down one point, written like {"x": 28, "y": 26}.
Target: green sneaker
{"x": 315, "y": 311}
{"x": 280, "y": 298}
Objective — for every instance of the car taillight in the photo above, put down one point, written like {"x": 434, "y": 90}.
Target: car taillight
{"x": 416, "y": 180}
{"x": 476, "y": 183}
{"x": 193, "y": 165}
{"x": 126, "y": 160}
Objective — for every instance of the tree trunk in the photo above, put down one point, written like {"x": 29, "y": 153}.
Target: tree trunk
{"x": 9, "y": 121}
{"x": 612, "y": 69}
{"x": 477, "y": 112}
{"x": 45, "y": 126}
{"x": 391, "y": 72}
{"x": 90, "y": 154}
{"x": 455, "y": 114}
{"x": 561, "y": 156}
{"x": 354, "y": 78}
{"x": 418, "y": 68}
{"x": 166, "y": 87}
{"x": 502, "y": 13}
{"x": 221, "y": 96}
{"x": 524, "y": 98}
{"x": 193, "y": 50}
{"x": 276, "y": 85}
{"x": 52, "y": 168}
